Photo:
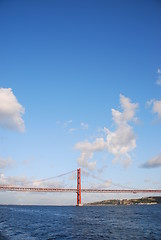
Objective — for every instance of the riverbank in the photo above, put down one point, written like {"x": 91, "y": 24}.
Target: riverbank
{"x": 138, "y": 201}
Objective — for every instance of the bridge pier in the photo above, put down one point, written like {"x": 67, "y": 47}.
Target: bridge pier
{"x": 78, "y": 187}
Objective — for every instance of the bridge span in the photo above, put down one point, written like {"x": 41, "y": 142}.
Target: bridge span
{"x": 74, "y": 190}
{"x": 77, "y": 190}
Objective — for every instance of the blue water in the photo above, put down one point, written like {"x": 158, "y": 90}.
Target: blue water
{"x": 110, "y": 222}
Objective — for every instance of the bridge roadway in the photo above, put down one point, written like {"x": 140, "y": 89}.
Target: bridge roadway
{"x": 85, "y": 190}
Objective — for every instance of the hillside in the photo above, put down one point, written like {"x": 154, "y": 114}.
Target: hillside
{"x": 148, "y": 200}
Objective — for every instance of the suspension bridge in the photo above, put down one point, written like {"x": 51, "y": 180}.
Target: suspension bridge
{"x": 78, "y": 190}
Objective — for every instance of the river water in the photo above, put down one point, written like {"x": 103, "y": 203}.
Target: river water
{"x": 109, "y": 222}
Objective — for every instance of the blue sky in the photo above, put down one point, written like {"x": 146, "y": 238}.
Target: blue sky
{"x": 64, "y": 65}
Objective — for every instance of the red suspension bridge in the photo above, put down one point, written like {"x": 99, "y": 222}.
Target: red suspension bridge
{"x": 77, "y": 190}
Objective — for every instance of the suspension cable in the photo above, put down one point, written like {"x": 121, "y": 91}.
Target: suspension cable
{"x": 103, "y": 180}
{"x": 61, "y": 175}
{"x": 45, "y": 179}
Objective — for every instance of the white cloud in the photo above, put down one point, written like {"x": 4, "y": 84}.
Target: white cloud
{"x": 91, "y": 147}
{"x": 87, "y": 149}
{"x": 128, "y": 113}
{"x": 106, "y": 184}
{"x": 14, "y": 180}
{"x": 122, "y": 140}
{"x": 156, "y": 106}
{"x": 102, "y": 169}
{"x": 26, "y": 182}
{"x": 72, "y": 130}
{"x": 11, "y": 111}
{"x": 67, "y": 123}
{"x": 48, "y": 184}
{"x": 159, "y": 71}
{"x": 153, "y": 162}
{"x": 5, "y": 163}
{"x": 150, "y": 102}
{"x": 84, "y": 125}
{"x": 83, "y": 160}
{"x": 158, "y": 82}
{"x": 119, "y": 142}
{"x": 68, "y": 126}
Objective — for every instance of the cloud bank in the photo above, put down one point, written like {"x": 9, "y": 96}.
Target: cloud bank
{"x": 156, "y": 107}
{"x": 154, "y": 162}
{"x": 24, "y": 181}
{"x": 5, "y": 163}
{"x": 119, "y": 142}
{"x": 11, "y": 111}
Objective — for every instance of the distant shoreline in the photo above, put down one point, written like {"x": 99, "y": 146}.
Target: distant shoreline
{"x": 127, "y": 202}
{"x": 114, "y": 202}
{"x": 108, "y": 205}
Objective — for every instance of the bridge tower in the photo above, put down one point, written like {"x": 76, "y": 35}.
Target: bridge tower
{"x": 78, "y": 187}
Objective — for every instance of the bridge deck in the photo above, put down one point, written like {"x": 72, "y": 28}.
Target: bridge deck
{"x": 31, "y": 189}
